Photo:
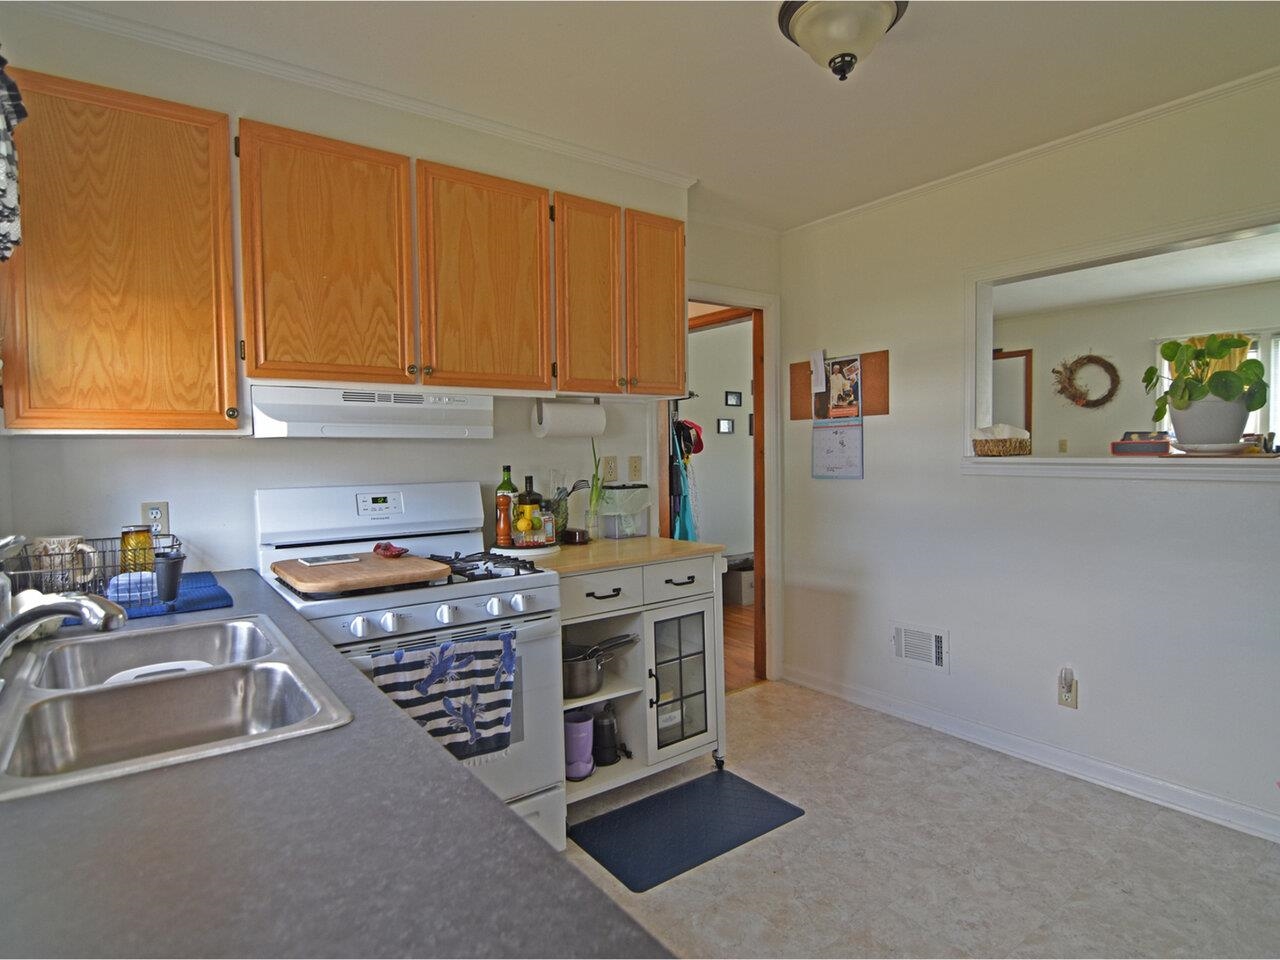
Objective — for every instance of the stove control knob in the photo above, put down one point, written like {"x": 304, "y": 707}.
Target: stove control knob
{"x": 520, "y": 602}
{"x": 444, "y": 613}
{"x": 494, "y": 606}
{"x": 390, "y": 621}
{"x": 360, "y": 627}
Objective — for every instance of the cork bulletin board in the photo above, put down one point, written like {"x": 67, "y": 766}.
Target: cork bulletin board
{"x": 875, "y": 387}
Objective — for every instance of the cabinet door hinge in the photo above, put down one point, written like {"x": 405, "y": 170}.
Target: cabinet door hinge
{"x": 237, "y": 145}
{"x": 241, "y": 349}
{"x": 552, "y": 208}
{"x": 555, "y": 371}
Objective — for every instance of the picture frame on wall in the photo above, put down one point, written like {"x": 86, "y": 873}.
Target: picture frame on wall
{"x": 733, "y": 398}
{"x": 724, "y": 425}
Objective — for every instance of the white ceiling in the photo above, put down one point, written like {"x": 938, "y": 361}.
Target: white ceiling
{"x": 1252, "y": 259}
{"x": 713, "y": 90}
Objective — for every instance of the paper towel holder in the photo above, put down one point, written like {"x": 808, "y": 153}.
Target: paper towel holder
{"x": 538, "y": 404}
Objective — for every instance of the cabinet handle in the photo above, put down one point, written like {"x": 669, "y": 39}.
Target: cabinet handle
{"x": 412, "y": 368}
{"x": 622, "y": 381}
{"x": 634, "y": 381}
{"x": 682, "y": 583}
{"x": 428, "y": 371}
{"x": 653, "y": 701}
{"x": 615, "y": 592}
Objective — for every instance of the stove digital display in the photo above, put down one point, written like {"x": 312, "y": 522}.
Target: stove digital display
{"x": 379, "y": 505}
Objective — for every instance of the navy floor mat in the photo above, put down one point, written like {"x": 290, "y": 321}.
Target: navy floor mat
{"x": 652, "y": 840}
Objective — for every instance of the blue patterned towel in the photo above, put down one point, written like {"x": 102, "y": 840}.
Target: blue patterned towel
{"x": 459, "y": 691}
{"x": 196, "y": 591}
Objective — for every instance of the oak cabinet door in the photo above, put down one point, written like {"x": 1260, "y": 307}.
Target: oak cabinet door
{"x": 657, "y": 312}
{"x": 589, "y": 335}
{"x": 484, "y": 257}
{"x": 118, "y": 304}
{"x": 327, "y": 248}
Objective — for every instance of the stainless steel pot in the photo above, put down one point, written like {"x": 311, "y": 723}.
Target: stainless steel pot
{"x": 583, "y": 666}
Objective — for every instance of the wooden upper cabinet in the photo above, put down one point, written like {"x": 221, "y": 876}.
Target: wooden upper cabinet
{"x": 657, "y": 311}
{"x": 589, "y": 335}
{"x": 327, "y": 247}
{"x": 484, "y": 258}
{"x": 117, "y": 306}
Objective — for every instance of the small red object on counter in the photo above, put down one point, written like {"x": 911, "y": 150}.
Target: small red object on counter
{"x": 389, "y": 550}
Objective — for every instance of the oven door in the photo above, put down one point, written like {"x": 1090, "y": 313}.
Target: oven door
{"x": 535, "y": 759}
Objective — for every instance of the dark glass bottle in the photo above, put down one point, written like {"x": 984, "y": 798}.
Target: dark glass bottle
{"x": 528, "y": 514}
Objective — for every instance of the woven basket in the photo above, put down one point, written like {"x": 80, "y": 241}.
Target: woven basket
{"x": 1007, "y": 447}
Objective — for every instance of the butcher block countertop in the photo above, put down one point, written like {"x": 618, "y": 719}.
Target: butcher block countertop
{"x": 633, "y": 552}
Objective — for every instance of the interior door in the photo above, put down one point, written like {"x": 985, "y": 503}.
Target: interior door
{"x": 1011, "y": 388}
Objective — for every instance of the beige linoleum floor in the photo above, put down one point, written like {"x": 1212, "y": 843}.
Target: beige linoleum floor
{"x": 914, "y": 843}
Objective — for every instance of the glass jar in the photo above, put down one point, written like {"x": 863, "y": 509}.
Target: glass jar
{"x": 137, "y": 550}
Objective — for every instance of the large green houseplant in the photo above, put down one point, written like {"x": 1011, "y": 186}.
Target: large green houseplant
{"x": 1213, "y": 387}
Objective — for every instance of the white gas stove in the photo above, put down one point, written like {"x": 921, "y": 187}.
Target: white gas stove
{"x": 482, "y": 594}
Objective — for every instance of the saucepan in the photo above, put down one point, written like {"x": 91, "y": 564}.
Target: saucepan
{"x": 584, "y": 664}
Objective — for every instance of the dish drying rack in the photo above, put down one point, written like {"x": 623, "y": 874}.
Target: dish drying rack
{"x": 73, "y": 571}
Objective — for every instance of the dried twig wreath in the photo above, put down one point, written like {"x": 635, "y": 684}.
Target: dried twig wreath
{"x": 1065, "y": 379}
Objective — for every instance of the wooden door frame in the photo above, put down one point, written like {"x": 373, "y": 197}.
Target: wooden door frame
{"x": 721, "y": 318}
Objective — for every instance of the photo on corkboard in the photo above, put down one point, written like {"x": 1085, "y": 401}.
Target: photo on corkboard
{"x": 844, "y": 386}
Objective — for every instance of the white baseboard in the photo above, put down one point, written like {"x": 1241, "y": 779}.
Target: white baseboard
{"x": 1229, "y": 813}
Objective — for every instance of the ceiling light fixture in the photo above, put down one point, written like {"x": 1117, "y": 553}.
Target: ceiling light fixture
{"x": 838, "y": 33}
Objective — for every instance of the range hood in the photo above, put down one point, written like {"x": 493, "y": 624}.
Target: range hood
{"x": 393, "y": 414}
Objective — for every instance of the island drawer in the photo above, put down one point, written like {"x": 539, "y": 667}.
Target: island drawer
{"x": 589, "y": 594}
{"x": 678, "y": 579}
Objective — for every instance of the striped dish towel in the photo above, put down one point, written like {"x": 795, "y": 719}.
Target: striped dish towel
{"x": 459, "y": 691}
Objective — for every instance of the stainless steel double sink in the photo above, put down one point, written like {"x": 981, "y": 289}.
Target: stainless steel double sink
{"x": 92, "y": 707}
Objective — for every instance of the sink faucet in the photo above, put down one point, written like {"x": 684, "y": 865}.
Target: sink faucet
{"x": 97, "y": 612}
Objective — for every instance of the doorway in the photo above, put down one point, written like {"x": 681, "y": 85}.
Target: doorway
{"x": 727, "y": 402}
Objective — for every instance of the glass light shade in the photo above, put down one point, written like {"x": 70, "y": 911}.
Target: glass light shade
{"x": 828, "y": 28}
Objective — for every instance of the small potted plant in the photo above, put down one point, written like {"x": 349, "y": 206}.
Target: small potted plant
{"x": 1208, "y": 399}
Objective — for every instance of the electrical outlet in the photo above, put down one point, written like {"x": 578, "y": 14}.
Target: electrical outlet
{"x": 156, "y": 514}
{"x": 609, "y": 469}
{"x": 635, "y": 469}
{"x": 1062, "y": 445}
{"x": 1068, "y": 689}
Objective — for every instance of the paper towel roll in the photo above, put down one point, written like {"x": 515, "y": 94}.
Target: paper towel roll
{"x": 567, "y": 419}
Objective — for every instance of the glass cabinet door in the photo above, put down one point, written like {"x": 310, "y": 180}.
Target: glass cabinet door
{"x": 683, "y": 661}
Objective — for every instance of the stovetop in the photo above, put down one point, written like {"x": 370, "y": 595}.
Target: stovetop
{"x": 486, "y": 565}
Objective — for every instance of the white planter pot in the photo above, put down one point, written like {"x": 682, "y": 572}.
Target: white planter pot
{"x": 1211, "y": 420}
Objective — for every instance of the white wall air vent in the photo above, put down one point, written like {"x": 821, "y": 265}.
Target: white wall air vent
{"x": 922, "y": 646}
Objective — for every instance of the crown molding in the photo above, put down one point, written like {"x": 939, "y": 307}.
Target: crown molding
{"x": 220, "y": 53}
{"x": 1188, "y": 102}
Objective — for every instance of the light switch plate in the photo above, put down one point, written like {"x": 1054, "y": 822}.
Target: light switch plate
{"x": 635, "y": 469}
{"x": 609, "y": 469}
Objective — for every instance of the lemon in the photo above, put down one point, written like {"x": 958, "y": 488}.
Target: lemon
{"x": 524, "y": 524}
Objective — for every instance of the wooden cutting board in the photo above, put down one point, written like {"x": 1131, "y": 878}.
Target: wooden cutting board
{"x": 369, "y": 572}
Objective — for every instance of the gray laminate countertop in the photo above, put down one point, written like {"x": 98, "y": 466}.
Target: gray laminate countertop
{"x": 366, "y": 840}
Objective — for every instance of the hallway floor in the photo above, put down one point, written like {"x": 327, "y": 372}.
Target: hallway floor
{"x": 739, "y": 646}
{"x": 915, "y": 843}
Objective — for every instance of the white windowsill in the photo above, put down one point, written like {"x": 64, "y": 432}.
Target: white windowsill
{"x": 1252, "y": 469}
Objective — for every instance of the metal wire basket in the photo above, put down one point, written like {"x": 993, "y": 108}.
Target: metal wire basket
{"x": 86, "y": 565}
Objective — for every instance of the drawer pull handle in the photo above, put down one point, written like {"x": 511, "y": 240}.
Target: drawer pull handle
{"x": 682, "y": 583}
{"x": 615, "y": 592}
